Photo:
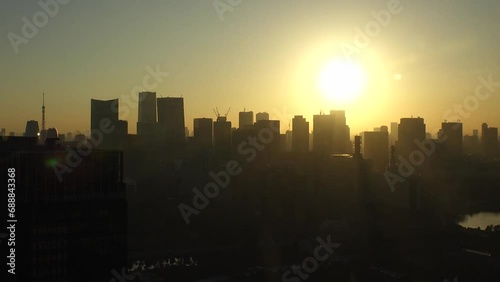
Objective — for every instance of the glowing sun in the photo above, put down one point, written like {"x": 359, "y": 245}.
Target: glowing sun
{"x": 341, "y": 81}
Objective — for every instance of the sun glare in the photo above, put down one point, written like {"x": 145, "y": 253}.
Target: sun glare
{"x": 341, "y": 81}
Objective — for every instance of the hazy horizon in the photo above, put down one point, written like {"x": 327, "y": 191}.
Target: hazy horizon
{"x": 262, "y": 57}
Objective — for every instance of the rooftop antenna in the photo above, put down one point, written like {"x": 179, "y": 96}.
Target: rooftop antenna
{"x": 43, "y": 110}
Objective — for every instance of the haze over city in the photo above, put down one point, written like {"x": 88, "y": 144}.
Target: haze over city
{"x": 242, "y": 141}
{"x": 263, "y": 56}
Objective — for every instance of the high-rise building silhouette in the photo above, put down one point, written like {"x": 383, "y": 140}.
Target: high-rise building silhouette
{"x": 393, "y": 137}
{"x": 341, "y": 132}
{"x": 222, "y": 137}
{"x": 471, "y": 144}
{"x": 489, "y": 141}
{"x": 300, "y": 136}
{"x": 323, "y": 126}
{"x": 453, "y": 145}
{"x": 104, "y": 121}
{"x": 203, "y": 133}
{"x": 147, "y": 121}
{"x": 2, "y": 132}
{"x": 32, "y": 129}
{"x": 262, "y": 116}
{"x": 410, "y": 131}
{"x": 245, "y": 119}
{"x": 376, "y": 148}
{"x": 71, "y": 221}
{"x": 171, "y": 119}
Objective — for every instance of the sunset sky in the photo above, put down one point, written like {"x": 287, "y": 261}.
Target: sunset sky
{"x": 261, "y": 55}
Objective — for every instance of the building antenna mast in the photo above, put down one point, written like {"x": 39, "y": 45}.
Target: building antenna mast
{"x": 43, "y": 110}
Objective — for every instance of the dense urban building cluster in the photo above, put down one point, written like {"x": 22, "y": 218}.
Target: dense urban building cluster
{"x": 247, "y": 202}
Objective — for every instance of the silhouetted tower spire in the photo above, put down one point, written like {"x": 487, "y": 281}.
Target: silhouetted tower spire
{"x": 43, "y": 111}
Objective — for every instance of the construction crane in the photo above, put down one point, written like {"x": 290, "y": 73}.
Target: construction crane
{"x": 218, "y": 115}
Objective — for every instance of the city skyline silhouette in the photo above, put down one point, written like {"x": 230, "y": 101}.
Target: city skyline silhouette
{"x": 233, "y": 140}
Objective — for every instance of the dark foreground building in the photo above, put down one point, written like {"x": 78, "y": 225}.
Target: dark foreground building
{"x": 69, "y": 228}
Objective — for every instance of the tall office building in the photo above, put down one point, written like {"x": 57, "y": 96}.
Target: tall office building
{"x": 70, "y": 222}
{"x": 2, "y": 132}
{"x": 203, "y": 132}
{"x": 341, "y": 132}
{"x": 32, "y": 129}
{"x": 262, "y": 116}
{"x": 376, "y": 148}
{"x": 471, "y": 145}
{"x": 222, "y": 137}
{"x": 146, "y": 120}
{"x": 393, "y": 137}
{"x": 171, "y": 119}
{"x": 300, "y": 136}
{"x": 323, "y": 126}
{"x": 453, "y": 145}
{"x": 246, "y": 119}
{"x": 410, "y": 131}
{"x": 489, "y": 141}
{"x": 104, "y": 116}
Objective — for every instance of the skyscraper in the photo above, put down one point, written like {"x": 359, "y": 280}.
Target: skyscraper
{"x": 32, "y": 129}
{"x": 410, "y": 131}
{"x": 323, "y": 126}
{"x": 171, "y": 119}
{"x": 393, "y": 137}
{"x": 262, "y": 116}
{"x": 146, "y": 120}
{"x": 203, "y": 132}
{"x": 453, "y": 145}
{"x": 222, "y": 137}
{"x": 341, "y": 132}
{"x": 489, "y": 141}
{"x": 246, "y": 119}
{"x": 300, "y": 136}
{"x": 376, "y": 148}
{"x": 71, "y": 221}
{"x": 104, "y": 120}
